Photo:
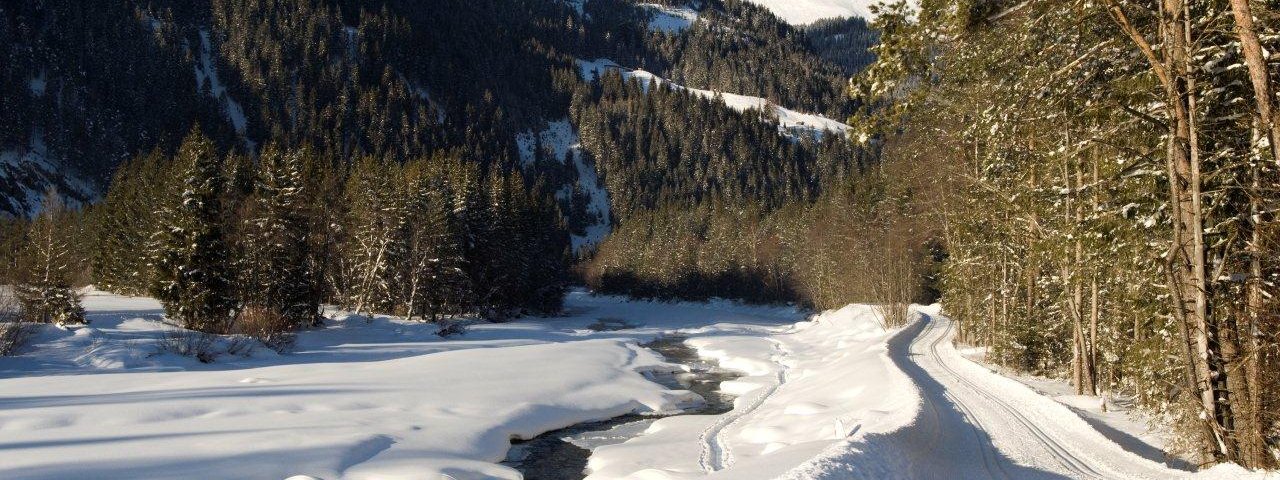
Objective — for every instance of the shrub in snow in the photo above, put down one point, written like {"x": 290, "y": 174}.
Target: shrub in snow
{"x": 14, "y": 333}
{"x": 50, "y": 302}
{"x": 450, "y": 328}
{"x": 188, "y": 343}
{"x": 273, "y": 329}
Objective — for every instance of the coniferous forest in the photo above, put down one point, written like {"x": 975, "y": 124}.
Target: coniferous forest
{"x": 1088, "y": 188}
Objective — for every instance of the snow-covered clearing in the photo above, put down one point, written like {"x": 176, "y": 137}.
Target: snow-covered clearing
{"x": 802, "y": 12}
{"x": 357, "y": 399}
{"x": 832, "y": 396}
{"x": 668, "y": 19}
{"x": 789, "y": 121}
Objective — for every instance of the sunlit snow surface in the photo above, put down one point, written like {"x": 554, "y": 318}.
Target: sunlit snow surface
{"x": 834, "y": 396}
{"x": 802, "y": 12}
{"x": 357, "y": 399}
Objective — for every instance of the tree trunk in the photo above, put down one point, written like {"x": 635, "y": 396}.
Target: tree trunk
{"x": 1191, "y": 287}
{"x": 1251, "y": 48}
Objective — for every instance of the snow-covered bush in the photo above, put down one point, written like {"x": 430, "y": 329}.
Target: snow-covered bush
{"x": 449, "y": 328}
{"x": 188, "y": 343}
{"x": 267, "y": 326}
{"x": 14, "y": 333}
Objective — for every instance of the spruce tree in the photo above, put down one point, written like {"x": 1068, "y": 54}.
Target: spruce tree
{"x": 124, "y": 223}
{"x": 192, "y": 275}
{"x": 276, "y": 273}
{"x": 434, "y": 284}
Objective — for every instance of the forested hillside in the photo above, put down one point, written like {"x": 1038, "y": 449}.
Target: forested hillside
{"x": 1103, "y": 178}
{"x": 244, "y": 161}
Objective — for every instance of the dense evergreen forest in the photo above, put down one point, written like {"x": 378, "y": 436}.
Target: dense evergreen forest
{"x": 1103, "y": 178}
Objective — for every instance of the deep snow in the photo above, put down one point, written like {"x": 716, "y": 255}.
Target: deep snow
{"x": 832, "y": 396}
{"x": 378, "y": 399}
{"x": 974, "y": 423}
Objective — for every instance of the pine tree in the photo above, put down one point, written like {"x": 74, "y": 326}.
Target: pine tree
{"x": 124, "y": 223}
{"x": 192, "y": 275}
{"x": 44, "y": 291}
{"x": 435, "y": 284}
{"x": 276, "y": 271}
{"x": 374, "y": 222}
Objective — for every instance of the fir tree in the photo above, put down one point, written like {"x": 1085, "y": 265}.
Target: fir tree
{"x": 276, "y": 271}
{"x": 192, "y": 275}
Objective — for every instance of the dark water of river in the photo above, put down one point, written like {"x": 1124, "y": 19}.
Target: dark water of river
{"x": 562, "y": 454}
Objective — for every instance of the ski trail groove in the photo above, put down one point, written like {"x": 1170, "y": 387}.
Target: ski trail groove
{"x": 1064, "y": 456}
{"x": 716, "y": 452}
{"x": 989, "y": 456}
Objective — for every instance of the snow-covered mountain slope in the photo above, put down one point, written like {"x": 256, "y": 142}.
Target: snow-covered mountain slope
{"x": 559, "y": 141}
{"x": 25, "y": 175}
{"x": 668, "y": 19}
{"x": 803, "y": 12}
{"x": 789, "y": 121}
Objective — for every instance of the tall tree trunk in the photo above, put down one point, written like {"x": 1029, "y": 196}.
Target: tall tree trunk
{"x": 1094, "y": 309}
{"x": 1190, "y": 251}
{"x": 1251, "y": 48}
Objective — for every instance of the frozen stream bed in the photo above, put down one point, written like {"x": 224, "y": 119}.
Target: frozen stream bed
{"x": 562, "y": 454}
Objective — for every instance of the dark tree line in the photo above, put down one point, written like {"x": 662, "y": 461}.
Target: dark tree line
{"x": 282, "y": 232}
{"x": 845, "y": 42}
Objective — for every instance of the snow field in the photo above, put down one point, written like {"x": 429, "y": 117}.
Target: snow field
{"x": 807, "y": 387}
{"x": 802, "y": 12}
{"x": 670, "y": 20}
{"x": 359, "y": 399}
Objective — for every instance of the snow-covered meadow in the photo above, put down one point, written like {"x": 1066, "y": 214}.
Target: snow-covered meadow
{"x": 833, "y": 395}
{"x": 385, "y": 398}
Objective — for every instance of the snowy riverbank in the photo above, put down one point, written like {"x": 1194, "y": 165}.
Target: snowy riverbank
{"x": 834, "y": 395}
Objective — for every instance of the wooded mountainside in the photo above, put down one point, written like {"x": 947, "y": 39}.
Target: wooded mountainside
{"x": 371, "y": 152}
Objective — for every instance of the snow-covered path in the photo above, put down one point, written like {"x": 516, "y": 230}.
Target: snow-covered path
{"x": 978, "y": 424}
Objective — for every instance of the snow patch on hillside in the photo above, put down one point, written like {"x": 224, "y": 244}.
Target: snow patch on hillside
{"x": 207, "y": 73}
{"x": 670, "y": 20}
{"x": 803, "y": 12}
{"x": 559, "y": 141}
{"x": 25, "y": 174}
{"x": 576, "y": 4}
{"x": 36, "y": 84}
{"x": 789, "y": 121}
